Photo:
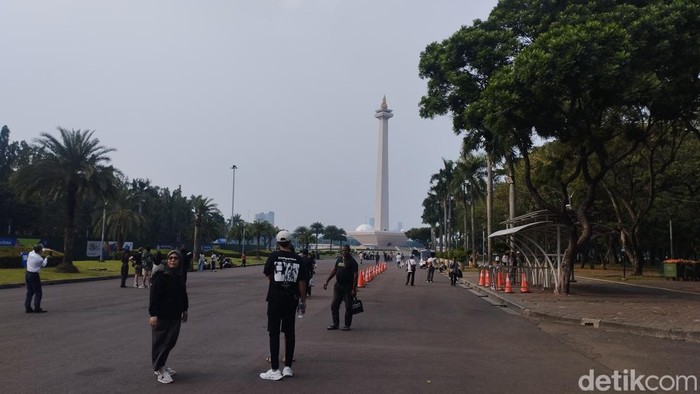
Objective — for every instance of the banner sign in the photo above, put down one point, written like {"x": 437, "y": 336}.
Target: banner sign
{"x": 8, "y": 241}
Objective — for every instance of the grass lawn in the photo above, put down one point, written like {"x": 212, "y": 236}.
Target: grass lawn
{"x": 88, "y": 269}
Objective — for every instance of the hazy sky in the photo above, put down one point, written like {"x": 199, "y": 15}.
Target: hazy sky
{"x": 284, "y": 89}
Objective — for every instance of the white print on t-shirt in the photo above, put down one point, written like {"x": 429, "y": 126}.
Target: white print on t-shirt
{"x": 286, "y": 270}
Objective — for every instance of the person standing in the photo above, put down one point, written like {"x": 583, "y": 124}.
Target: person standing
{"x": 243, "y": 259}
{"x": 138, "y": 268}
{"x": 345, "y": 271}
{"x": 288, "y": 277}
{"x": 167, "y": 309}
{"x": 200, "y": 263}
{"x": 431, "y": 269}
{"x": 33, "y": 282}
{"x": 125, "y": 266}
{"x": 214, "y": 260}
{"x": 147, "y": 262}
{"x": 411, "y": 270}
{"x": 185, "y": 263}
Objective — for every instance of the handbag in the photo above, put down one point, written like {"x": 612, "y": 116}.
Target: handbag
{"x": 357, "y": 306}
{"x": 459, "y": 273}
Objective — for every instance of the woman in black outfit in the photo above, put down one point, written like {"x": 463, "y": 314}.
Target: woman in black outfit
{"x": 167, "y": 309}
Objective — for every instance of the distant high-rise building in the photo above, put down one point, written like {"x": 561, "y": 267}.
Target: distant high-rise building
{"x": 265, "y": 217}
{"x": 371, "y": 222}
{"x": 399, "y": 226}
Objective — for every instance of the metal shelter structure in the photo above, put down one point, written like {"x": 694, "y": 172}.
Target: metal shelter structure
{"x": 536, "y": 236}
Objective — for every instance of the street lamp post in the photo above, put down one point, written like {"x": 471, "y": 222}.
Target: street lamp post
{"x": 233, "y": 194}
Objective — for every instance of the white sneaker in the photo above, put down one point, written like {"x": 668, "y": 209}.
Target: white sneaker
{"x": 169, "y": 370}
{"x": 287, "y": 372}
{"x": 271, "y": 375}
{"x": 164, "y": 376}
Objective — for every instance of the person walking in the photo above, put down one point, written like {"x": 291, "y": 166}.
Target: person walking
{"x": 33, "y": 282}
{"x": 411, "y": 270}
{"x": 310, "y": 263}
{"x": 288, "y": 277}
{"x": 454, "y": 272}
{"x": 167, "y": 309}
{"x": 345, "y": 272}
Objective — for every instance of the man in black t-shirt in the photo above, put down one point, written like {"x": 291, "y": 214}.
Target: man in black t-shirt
{"x": 288, "y": 277}
{"x": 345, "y": 289}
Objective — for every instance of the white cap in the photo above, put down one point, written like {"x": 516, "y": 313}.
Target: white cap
{"x": 284, "y": 236}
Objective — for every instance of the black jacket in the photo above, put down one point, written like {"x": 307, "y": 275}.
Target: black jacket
{"x": 168, "y": 296}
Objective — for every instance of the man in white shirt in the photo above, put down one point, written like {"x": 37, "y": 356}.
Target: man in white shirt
{"x": 411, "y": 270}
{"x": 34, "y": 264}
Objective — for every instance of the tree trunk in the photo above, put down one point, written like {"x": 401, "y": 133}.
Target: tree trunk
{"x": 69, "y": 236}
{"x": 489, "y": 206}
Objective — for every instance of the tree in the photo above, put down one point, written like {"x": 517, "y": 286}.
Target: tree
{"x": 571, "y": 72}
{"x": 121, "y": 217}
{"x": 317, "y": 229}
{"x": 470, "y": 186}
{"x": 421, "y": 235}
{"x": 68, "y": 170}
{"x": 334, "y": 233}
{"x": 204, "y": 209}
{"x": 440, "y": 186}
{"x": 257, "y": 230}
{"x": 303, "y": 235}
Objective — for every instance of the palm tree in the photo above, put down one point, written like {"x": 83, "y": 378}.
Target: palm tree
{"x": 334, "y": 233}
{"x": 469, "y": 182}
{"x": 203, "y": 208}
{"x": 441, "y": 183}
{"x": 317, "y": 228}
{"x": 237, "y": 230}
{"x": 304, "y": 236}
{"x": 121, "y": 217}
{"x": 257, "y": 229}
{"x": 68, "y": 170}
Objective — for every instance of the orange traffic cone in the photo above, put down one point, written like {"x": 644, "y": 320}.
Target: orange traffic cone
{"x": 509, "y": 288}
{"x": 523, "y": 284}
{"x": 361, "y": 279}
{"x": 499, "y": 281}
{"x": 481, "y": 277}
{"x": 487, "y": 278}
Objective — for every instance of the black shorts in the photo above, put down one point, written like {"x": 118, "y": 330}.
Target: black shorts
{"x": 281, "y": 314}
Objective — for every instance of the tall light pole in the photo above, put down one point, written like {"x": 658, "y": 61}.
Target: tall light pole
{"x": 233, "y": 191}
{"x": 233, "y": 194}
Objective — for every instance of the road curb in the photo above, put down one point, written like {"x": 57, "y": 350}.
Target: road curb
{"x": 62, "y": 281}
{"x": 528, "y": 313}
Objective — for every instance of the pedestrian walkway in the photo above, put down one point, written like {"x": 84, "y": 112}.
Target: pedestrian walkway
{"x": 649, "y": 305}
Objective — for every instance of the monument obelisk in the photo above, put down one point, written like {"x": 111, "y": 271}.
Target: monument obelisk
{"x": 379, "y": 237}
{"x": 381, "y": 207}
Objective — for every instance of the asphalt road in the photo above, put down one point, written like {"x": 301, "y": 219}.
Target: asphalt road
{"x": 422, "y": 339}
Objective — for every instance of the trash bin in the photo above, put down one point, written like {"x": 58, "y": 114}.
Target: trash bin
{"x": 25, "y": 255}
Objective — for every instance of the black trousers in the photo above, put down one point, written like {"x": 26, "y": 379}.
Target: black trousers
{"x": 164, "y": 338}
{"x": 125, "y": 274}
{"x": 341, "y": 294}
{"x": 280, "y": 318}
{"x": 411, "y": 276}
{"x": 431, "y": 273}
{"x": 33, "y": 282}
